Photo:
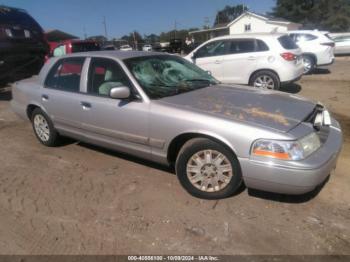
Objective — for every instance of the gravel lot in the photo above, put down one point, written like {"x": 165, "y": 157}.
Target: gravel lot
{"x": 79, "y": 199}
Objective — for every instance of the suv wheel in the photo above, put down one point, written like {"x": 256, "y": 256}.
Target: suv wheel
{"x": 208, "y": 170}
{"x": 43, "y": 128}
{"x": 265, "y": 80}
{"x": 309, "y": 64}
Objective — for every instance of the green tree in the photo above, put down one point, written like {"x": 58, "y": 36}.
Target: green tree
{"x": 229, "y": 13}
{"x": 330, "y": 15}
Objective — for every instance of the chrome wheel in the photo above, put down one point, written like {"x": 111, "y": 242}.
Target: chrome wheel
{"x": 41, "y": 128}
{"x": 264, "y": 82}
{"x": 209, "y": 171}
{"x": 307, "y": 64}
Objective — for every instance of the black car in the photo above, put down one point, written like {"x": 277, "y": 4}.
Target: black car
{"x": 175, "y": 46}
{"x": 22, "y": 44}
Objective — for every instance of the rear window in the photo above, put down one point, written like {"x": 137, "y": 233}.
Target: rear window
{"x": 85, "y": 47}
{"x": 12, "y": 16}
{"x": 287, "y": 42}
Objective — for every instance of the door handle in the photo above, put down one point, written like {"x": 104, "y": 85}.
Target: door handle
{"x": 85, "y": 105}
{"x": 217, "y": 62}
{"x": 44, "y": 97}
{"x": 252, "y": 58}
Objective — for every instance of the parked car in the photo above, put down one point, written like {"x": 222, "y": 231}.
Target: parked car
{"x": 147, "y": 48}
{"x": 317, "y": 48}
{"x": 175, "y": 46}
{"x": 165, "y": 109}
{"x": 125, "y": 48}
{"x": 74, "y": 46}
{"x": 22, "y": 43}
{"x": 342, "y": 45}
{"x": 260, "y": 60}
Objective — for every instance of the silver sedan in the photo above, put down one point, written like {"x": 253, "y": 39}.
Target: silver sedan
{"x": 162, "y": 108}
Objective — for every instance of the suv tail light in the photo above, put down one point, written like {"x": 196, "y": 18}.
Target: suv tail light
{"x": 289, "y": 56}
{"x": 331, "y": 44}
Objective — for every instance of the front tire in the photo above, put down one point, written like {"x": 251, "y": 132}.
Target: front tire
{"x": 208, "y": 170}
{"x": 266, "y": 80}
{"x": 44, "y": 129}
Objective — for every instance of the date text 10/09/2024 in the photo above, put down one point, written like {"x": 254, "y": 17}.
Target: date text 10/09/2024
{"x": 173, "y": 258}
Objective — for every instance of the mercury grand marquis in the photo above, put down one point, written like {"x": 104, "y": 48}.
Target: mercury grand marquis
{"x": 164, "y": 109}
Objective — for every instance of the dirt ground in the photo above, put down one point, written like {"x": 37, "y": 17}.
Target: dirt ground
{"x": 79, "y": 199}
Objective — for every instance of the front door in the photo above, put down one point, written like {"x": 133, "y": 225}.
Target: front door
{"x": 121, "y": 124}
{"x": 211, "y": 56}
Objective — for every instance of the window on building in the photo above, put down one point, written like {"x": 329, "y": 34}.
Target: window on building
{"x": 247, "y": 27}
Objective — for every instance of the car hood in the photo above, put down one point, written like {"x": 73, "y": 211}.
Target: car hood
{"x": 270, "y": 109}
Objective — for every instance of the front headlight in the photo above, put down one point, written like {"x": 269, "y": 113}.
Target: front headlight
{"x": 287, "y": 150}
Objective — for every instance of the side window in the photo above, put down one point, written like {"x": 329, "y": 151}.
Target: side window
{"x": 59, "y": 51}
{"x": 65, "y": 75}
{"x": 215, "y": 48}
{"x": 105, "y": 74}
{"x": 261, "y": 46}
{"x": 239, "y": 46}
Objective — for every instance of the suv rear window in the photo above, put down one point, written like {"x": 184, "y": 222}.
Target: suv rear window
{"x": 287, "y": 42}
{"x": 13, "y": 16}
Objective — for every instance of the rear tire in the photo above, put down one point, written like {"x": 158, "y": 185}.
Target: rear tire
{"x": 208, "y": 170}
{"x": 44, "y": 129}
{"x": 266, "y": 80}
{"x": 309, "y": 64}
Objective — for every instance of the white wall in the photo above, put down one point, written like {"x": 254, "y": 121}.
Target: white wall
{"x": 257, "y": 26}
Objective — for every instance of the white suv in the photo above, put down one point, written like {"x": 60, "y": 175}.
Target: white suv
{"x": 317, "y": 48}
{"x": 261, "y": 60}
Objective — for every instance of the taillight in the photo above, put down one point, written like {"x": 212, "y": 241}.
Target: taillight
{"x": 289, "y": 56}
{"x": 331, "y": 44}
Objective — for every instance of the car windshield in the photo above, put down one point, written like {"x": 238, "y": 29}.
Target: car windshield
{"x": 166, "y": 75}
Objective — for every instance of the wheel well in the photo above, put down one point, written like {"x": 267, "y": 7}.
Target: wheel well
{"x": 30, "y": 110}
{"x": 312, "y": 56}
{"x": 272, "y": 71}
{"x": 177, "y": 143}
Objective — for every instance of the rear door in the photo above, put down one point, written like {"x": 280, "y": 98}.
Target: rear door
{"x": 240, "y": 61}
{"x": 210, "y": 57}
{"x": 61, "y": 97}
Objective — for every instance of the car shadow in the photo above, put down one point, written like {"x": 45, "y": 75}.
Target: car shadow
{"x": 320, "y": 71}
{"x": 168, "y": 169}
{"x": 292, "y": 88}
{"x": 290, "y": 199}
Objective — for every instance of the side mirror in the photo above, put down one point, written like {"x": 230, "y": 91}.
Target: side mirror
{"x": 120, "y": 92}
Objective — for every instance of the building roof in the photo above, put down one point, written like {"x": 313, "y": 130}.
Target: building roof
{"x": 55, "y": 35}
{"x": 267, "y": 18}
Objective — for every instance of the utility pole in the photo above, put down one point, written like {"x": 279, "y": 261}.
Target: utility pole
{"x": 85, "y": 35}
{"x": 206, "y": 22}
{"x": 105, "y": 26}
{"x": 175, "y": 28}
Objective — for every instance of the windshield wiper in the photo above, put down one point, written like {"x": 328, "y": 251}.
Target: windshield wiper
{"x": 198, "y": 80}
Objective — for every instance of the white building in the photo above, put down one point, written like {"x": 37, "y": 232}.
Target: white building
{"x": 249, "y": 22}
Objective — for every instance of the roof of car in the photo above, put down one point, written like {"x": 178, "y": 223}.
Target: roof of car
{"x": 309, "y": 31}
{"x": 115, "y": 54}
